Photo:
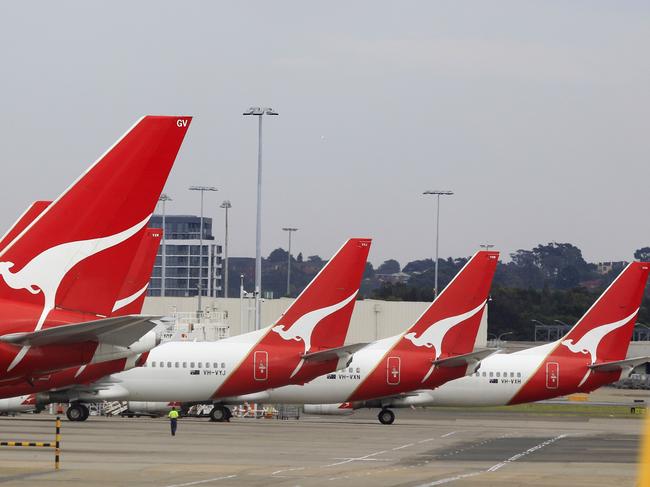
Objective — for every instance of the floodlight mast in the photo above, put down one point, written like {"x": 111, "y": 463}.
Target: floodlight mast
{"x": 259, "y": 112}
{"x": 438, "y": 194}
{"x": 202, "y": 189}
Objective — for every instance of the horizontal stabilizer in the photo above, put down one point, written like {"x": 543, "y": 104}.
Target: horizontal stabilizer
{"x": 465, "y": 359}
{"x": 121, "y": 331}
{"x": 333, "y": 353}
{"x": 629, "y": 363}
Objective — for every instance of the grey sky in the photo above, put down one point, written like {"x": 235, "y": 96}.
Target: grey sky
{"x": 534, "y": 113}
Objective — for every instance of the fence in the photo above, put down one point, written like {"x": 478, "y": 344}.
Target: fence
{"x": 56, "y": 444}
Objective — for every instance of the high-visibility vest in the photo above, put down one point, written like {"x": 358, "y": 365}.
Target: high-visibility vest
{"x": 173, "y": 414}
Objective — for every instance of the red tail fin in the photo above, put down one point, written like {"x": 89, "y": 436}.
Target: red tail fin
{"x": 77, "y": 252}
{"x": 605, "y": 330}
{"x": 35, "y": 209}
{"x": 328, "y": 300}
{"x": 134, "y": 289}
{"x": 451, "y": 323}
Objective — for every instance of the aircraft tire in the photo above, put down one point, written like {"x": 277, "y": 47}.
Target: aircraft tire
{"x": 220, "y": 413}
{"x": 386, "y": 416}
{"x": 75, "y": 412}
{"x": 86, "y": 412}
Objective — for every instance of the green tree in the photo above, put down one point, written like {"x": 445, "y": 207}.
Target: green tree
{"x": 390, "y": 266}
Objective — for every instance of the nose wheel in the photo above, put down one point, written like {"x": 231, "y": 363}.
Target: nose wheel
{"x": 386, "y": 416}
{"x": 220, "y": 413}
{"x": 77, "y": 412}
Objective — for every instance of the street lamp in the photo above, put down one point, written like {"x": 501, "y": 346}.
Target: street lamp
{"x": 226, "y": 205}
{"x": 290, "y": 230}
{"x": 438, "y": 194}
{"x": 202, "y": 189}
{"x": 259, "y": 112}
{"x": 163, "y": 199}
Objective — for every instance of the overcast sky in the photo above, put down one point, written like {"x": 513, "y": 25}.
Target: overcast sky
{"x": 535, "y": 113}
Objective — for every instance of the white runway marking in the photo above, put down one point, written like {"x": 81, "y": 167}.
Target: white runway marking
{"x": 354, "y": 459}
{"x": 426, "y": 441}
{"x": 403, "y": 446}
{"x": 288, "y": 470}
{"x": 497, "y": 466}
{"x": 449, "y": 434}
{"x": 202, "y": 481}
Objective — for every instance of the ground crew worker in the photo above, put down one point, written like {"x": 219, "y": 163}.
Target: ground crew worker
{"x": 173, "y": 420}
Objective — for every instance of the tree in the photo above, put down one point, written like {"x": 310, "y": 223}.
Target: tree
{"x": 314, "y": 259}
{"x": 390, "y": 266}
{"x": 278, "y": 255}
{"x": 418, "y": 266}
{"x": 369, "y": 271}
{"x": 299, "y": 258}
{"x": 642, "y": 254}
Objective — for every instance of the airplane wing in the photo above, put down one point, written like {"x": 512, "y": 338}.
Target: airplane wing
{"x": 465, "y": 359}
{"x": 333, "y": 353}
{"x": 629, "y": 363}
{"x": 121, "y": 331}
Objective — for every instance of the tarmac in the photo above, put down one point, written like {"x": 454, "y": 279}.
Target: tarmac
{"x": 423, "y": 448}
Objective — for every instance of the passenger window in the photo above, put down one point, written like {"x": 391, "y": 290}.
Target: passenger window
{"x": 223, "y": 365}
{"x": 216, "y": 365}
{"x": 484, "y": 374}
{"x": 191, "y": 365}
{"x": 518, "y": 374}
{"x": 153, "y": 364}
{"x": 176, "y": 364}
{"x": 200, "y": 365}
{"x": 350, "y": 370}
{"x": 491, "y": 374}
{"x": 498, "y": 374}
{"x": 169, "y": 364}
{"x": 512, "y": 374}
{"x": 184, "y": 365}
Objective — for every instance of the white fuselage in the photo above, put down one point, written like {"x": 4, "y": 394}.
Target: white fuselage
{"x": 496, "y": 382}
{"x": 186, "y": 371}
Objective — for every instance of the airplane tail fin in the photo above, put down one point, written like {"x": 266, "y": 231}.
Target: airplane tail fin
{"x": 76, "y": 253}
{"x": 328, "y": 301}
{"x": 134, "y": 288}
{"x": 605, "y": 330}
{"x": 450, "y": 324}
{"x": 35, "y": 209}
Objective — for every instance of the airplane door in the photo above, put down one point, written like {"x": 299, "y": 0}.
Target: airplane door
{"x": 552, "y": 375}
{"x": 392, "y": 371}
{"x": 261, "y": 365}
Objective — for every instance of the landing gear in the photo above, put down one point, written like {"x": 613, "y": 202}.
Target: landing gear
{"x": 220, "y": 413}
{"x": 77, "y": 412}
{"x": 386, "y": 416}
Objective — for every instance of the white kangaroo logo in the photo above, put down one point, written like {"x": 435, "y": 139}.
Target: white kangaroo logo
{"x": 45, "y": 272}
{"x": 304, "y": 326}
{"x": 590, "y": 341}
{"x": 433, "y": 336}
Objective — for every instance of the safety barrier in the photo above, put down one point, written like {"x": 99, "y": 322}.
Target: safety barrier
{"x": 56, "y": 444}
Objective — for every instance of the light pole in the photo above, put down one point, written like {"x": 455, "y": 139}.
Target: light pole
{"x": 226, "y": 205}
{"x": 163, "y": 199}
{"x": 259, "y": 113}
{"x": 202, "y": 189}
{"x": 486, "y": 246}
{"x": 438, "y": 194}
{"x": 290, "y": 230}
